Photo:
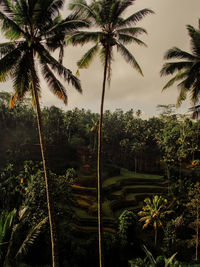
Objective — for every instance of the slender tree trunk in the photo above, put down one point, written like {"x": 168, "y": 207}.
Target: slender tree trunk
{"x": 99, "y": 164}
{"x": 48, "y": 183}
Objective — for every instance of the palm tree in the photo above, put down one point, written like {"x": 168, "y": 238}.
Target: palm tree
{"x": 153, "y": 213}
{"x": 34, "y": 28}
{"x": 113, "y": 31}
{"x": 186, "y": 68}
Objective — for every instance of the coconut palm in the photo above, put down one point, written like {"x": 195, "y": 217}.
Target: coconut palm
{"x": 154, "y": 213}
{"x": 186, "y": 68}
{"x": 113, "y": 31}
{"x": 34, "y": 28}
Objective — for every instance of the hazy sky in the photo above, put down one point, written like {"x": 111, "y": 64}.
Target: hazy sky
{"x": 166, "y": 28}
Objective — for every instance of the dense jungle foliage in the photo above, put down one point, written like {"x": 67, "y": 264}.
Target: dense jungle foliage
{"x": 138, "y": 231}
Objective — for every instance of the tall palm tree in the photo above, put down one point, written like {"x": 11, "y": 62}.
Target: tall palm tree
{"x": 113, "y": 31}
{"x": 153, "y": 213}
{"x": 34, "y": 28}
{"x": 186, "y": 68}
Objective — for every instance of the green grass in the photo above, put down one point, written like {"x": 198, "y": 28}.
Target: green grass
{"x": 82, "y": 214}
{"x": 118, "y": 193}
{"x": 128, "y": 174}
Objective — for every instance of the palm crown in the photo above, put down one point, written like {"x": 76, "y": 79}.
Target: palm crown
{"x": 114, "y": 30}
{"x": 154, "y": 212}
{"x": 187, "y": 70}
{"x": 34, "y": 27}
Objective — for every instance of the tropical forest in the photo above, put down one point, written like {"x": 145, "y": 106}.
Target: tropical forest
{"x": 80, "y": 188}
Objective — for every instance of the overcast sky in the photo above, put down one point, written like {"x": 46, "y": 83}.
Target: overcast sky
{"x": 166, "y": 28}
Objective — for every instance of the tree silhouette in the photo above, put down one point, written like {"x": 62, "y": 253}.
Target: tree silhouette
{"x": 34, "y": 28}
{"x": 113, "y": 31}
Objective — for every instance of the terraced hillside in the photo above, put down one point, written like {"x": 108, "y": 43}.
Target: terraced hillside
{"x": 126, "y": 191}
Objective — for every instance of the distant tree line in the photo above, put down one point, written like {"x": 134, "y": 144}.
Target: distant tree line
{"x": 156, "y": 145}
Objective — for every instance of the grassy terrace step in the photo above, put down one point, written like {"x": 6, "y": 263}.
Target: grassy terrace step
{"x": 144, "y": 189}
{"x": 84, "y": 190}
{"x": 137, "y": 177}
{"x": 126, "y": 191}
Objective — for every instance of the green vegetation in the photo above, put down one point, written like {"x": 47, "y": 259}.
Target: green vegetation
{"x": 124, "y": 188}
{"x": 129, "y": 186}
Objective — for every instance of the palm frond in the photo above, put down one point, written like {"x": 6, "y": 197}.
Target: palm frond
{"x": 150, "y": 256}
{"x": 179, "y": 76}
{"x": 119, "y": 7}
{"x": 81, "y": 38}
{"x": 127, "y": 39}
{"x": 55, "y": 65}
{"x": 87, "y": 58}
{"x": 129, "y": 57}
{"x": 7, "y": 6}
{"x": 55, "y": 36}
{"x": 10, "y": 29}
{"x": 182, "y": 93}
{"x": 195, "y": 92}
{"x": 195, "y": 39}
{"x": 171, "y": 67}
{"x": 133, "y": 31}
{"x": 6, "y": 48}
{"x": 45, "y": 11}
{"x": 170, "y": 260}
{"x": 6, "y": 221}
{"x": 56, "y": 87}
{"x": 8, "y": 62}
{"x": 21, "y": 76}
{"x": 67, "y": 25}
{"x": 134, "y": 18}
{"x": 177, "y": 53}
{"x": 83, "y": 9}
{"x": 30, "y": 238}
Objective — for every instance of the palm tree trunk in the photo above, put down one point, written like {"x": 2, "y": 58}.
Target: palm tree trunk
{"x": 49, "y": 193}
{"x": 48, "y": 183}
{"x": 99, "y": 164}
